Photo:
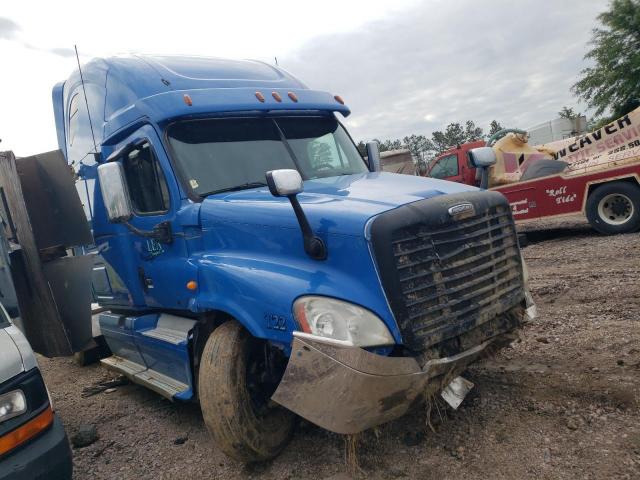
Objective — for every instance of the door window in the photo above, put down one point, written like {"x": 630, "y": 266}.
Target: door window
{"x": 445, "y": 167}
{"x": 145, "y": 181}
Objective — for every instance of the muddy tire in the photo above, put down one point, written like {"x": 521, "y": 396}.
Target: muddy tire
{"x": 614, "y": 208}
{"x": 239, "y": 427}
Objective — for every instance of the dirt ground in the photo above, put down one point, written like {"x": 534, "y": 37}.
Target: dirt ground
{"x": 561, "y": 403}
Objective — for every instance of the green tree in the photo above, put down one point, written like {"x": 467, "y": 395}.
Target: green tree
{"x": 471, "y": 132}
{"x": 495, "y": 127}
{"x": 417, "y": 145}
{"x": 612, "y": 83}
{"x": 568, "y": 112}
{"x": 455, "y": 134}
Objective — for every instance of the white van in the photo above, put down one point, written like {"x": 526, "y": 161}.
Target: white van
{"x": 33, "y": 443}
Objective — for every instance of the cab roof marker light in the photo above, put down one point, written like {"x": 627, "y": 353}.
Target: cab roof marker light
{"x": 260, "y": 97}
{"x": 293, "y": 96}
{"x": 276, "y": 96}
{"x": 338, "y": 99}
{"x": 187, "y": 99}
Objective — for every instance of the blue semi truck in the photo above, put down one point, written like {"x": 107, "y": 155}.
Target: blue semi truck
{"x": 248, "y": 257}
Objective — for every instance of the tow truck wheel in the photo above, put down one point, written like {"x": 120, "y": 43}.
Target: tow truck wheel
{"x": 614, "y": 208}
{"x": 238, "y": 374}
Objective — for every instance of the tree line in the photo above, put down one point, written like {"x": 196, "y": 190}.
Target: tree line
{"x": 425, "y": 149}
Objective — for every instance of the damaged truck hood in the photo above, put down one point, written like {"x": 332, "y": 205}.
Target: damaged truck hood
{"x": 340, "y": 205}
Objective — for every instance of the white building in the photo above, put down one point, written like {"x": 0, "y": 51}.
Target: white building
{"x": 557, "y": 130}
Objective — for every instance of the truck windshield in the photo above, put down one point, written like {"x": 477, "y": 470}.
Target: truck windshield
{"x": 218, "y": 155}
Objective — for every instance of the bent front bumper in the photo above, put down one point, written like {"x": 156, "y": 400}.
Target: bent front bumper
{"x": 348, "y": 389}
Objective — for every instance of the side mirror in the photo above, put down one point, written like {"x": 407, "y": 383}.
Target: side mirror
{"x": 482, "y": 157}
{"x": 114, "y": 192}
{"x": 373, "y": 154}
{"x": 284, "y": 182}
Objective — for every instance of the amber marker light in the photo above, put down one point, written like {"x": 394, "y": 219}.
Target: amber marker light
{"x": 187, "y": 99}
{"x": 292, "y": 96}
{"x": 192, "y": 285}
{"x": 339, "y": 99}
{"x": 26, "y": 432}
{"x": 260, "y": 97}
{"x": 301, "y": 316}
{"x": 276, "y": 96}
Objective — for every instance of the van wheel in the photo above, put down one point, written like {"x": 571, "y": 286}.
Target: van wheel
{"x": 614, "y": 208}
{"x": 238, "y": 374}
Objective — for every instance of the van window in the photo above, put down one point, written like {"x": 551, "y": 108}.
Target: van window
{"x": 445, "y": 167}
{"x": 145, "y": 181}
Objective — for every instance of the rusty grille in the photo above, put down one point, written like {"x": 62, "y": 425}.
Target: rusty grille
{"x": 455, "y": 275}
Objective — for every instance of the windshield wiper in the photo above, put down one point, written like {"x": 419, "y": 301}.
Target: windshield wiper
{"x": 244, "y": 186}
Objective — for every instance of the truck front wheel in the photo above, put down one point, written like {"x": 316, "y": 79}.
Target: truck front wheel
{"x": 238, "y": 374}
{"x": 614, "y": 208}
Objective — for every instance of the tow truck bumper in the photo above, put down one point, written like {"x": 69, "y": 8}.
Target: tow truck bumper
{"x": 347, "y": 389}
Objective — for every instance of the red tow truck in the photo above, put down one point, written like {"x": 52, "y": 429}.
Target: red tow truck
{"x": 597, "y": 174}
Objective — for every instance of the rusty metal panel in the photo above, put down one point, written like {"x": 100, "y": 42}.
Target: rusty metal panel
{"x": 55, "y": 212}
{"x": 70, "y": 281}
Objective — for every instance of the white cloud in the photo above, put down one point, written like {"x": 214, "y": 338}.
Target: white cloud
{"x": 402, "y": 66}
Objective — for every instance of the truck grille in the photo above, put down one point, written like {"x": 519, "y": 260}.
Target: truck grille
{"x": 444, "y": 276}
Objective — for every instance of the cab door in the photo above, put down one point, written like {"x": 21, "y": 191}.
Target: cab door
{"x": 161, "y": 265}
{"x": 447, "y": 168}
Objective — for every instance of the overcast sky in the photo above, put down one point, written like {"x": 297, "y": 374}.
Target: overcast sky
{"x": 403, "y": 66}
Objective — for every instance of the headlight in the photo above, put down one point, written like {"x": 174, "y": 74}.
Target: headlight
{"x": 342, "y": 321}
{"x": 12, "y": 404}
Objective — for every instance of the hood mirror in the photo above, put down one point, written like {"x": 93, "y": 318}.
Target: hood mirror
{"x": 373, "y": 154}
{"x": 482, "y": 157}
{"x": 284, "y": 182}
{"x": 288, "y": 183}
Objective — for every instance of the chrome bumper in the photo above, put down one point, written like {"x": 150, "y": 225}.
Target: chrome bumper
{"x": 347, "y": 389}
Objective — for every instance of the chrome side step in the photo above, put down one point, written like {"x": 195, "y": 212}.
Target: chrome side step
{"x": 159, "y": 383}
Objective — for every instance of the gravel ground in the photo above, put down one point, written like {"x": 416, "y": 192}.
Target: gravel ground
{"x": 561, "y": 403}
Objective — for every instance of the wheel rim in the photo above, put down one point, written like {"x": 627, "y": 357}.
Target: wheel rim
{"x": 265, "y": 368}
{"x": 615, "y": 209}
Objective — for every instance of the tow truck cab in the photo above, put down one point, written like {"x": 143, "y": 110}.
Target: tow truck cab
{"x": 454, "y": 165}
{"x": 247, "y": 253}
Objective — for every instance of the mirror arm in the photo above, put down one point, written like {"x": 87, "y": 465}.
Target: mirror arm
{"x": 484, "y": 178}
{"x": 161, "y": 232}
{"x": 313, "y": 245}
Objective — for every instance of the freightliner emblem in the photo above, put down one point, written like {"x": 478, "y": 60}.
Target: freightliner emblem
{"x": 462, "y": 210}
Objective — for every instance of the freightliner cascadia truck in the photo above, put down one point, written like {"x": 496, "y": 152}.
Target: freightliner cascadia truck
{"x": 247, "y": 257}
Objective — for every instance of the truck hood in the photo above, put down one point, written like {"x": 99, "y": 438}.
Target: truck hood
{"x": 333, "y": 205}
